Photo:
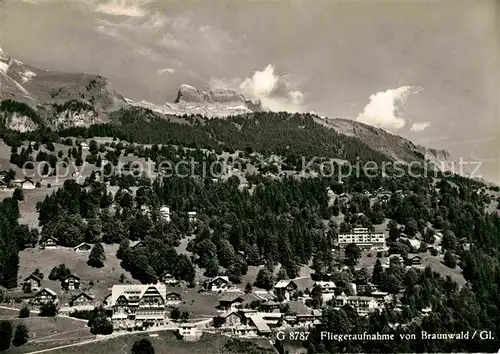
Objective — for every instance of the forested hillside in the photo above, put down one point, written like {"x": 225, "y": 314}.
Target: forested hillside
{"x": 290, "y": 135}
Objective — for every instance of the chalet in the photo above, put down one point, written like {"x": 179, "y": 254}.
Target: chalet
{"x": 169, "y": 279}
{"x": 219, "y": 283}
{"x": 362, "y": 304}
{"x": 285, "y": 288}
{"x": 232, "y": 319}
{"x": 45, "y": 296}
{"x": 134, "y": 305}
{"x": 172, "y": 299}
{"x": 49, "y": 242}
{"x": 83, "y": 247}
{"x": 230, "y": 302}
{"x": 71, "y": 282}
{"x": 326, "y": 286}
{"x": 327, "y": 289}
{"x": 82, "y": 299}
{"x": 165, "y": 213}
{"x": 413, "y": 259}
{"x": 270, "y": 306}
{"x": 31, "y": 283}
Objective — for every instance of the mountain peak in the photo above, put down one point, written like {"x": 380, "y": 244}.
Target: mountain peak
{"x": 190, "y": 94}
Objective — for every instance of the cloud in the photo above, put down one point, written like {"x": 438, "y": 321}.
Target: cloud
{"x": 166, "y": 70}
{"x": 170, "y": 41}
{"x": 122, "y": 8}
{"x": 275, "y": 91}
{"x": 419, "y": 126}
{"x": 384, "y": 108}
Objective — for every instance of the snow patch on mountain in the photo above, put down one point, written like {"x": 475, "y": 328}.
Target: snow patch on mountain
{"x": 4, "y": 67}
{"x": 211, "y": 104}
{"x": 27, "y": 75}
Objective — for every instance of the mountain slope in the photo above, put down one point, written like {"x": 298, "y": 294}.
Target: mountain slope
{"x": 33, "y": 98}
{"x": 60, "y": 99}
{"x": 397, "y": 147}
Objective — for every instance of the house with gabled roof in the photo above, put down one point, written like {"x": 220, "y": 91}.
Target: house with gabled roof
{"x": 83, "y": 247}
{"x": 31, "y": 283}
{"x": 45, "y": 296}
{"x": 70, "y": 283}
{"x": 285, "y": 288}
{"x": 168, "y": 279}
{"x": 230, "y": 302}
{"x": 49, "y": 242}
{"x": 136, "y": 305}
{"x": 82, "y": 299}
{"x": 219, "y": 283}
{"x": 413, "y": 259}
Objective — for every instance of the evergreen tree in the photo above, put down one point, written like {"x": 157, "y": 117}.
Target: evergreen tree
{"x": 24, "y": 312}
{"x": 97, "y": 256}
{"x": 143, "y": 346}
{"x": 449, "y": 260}
{"x": 18, "y": 194}
{"x": 378, "y": 272}
{"x": 185, "y": 269}
{"x": 21, "y": 335}
{"x": 5, "y": 335}
{"x": 265, "y": 279}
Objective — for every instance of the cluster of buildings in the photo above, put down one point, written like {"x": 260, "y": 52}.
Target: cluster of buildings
{"x": 70, "y": 284}
{"x": 251, "y": 323}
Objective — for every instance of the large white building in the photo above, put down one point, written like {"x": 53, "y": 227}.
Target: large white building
{"x": 363, "y": 238}
{"x": 137, "y": 306}
{"x": 165, "y": 213}
{"x": 362, "y": 304}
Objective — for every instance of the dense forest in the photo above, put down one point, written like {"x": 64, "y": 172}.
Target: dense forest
{"x": 12, "y": 239}
{"x": 285, "y": 134}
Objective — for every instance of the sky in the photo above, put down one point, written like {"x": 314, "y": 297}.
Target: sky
{"x": 426, "y": 70}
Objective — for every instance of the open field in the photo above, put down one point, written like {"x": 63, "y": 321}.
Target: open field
{"x": 46, "y": 259}
{"x": 7, "y": 314}
{"x": 165, "y": 343}
{"x": 48, "y": 332}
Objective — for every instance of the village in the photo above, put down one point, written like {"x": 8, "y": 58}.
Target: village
{"x": 239, "y": 312}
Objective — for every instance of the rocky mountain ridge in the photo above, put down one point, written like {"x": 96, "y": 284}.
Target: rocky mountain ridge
{"x": 395, "y": 146}
{"x": 31, "y": 97}
{"x": 210, "y": 104}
